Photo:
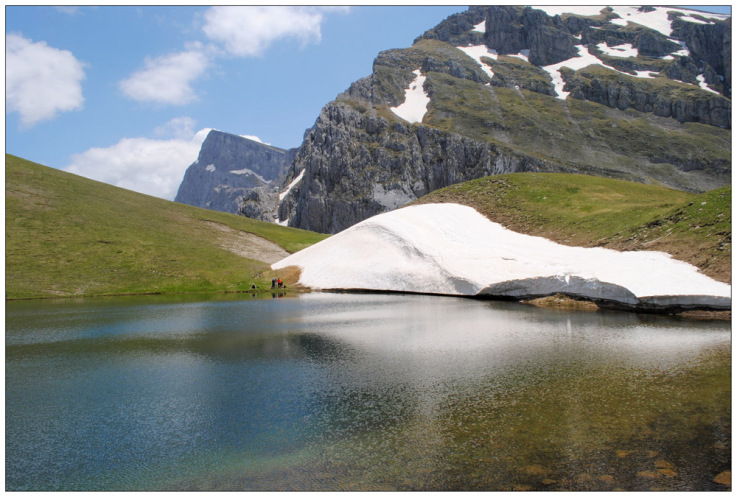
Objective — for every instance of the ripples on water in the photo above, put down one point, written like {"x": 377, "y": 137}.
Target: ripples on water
{"x": 361, "y": 392}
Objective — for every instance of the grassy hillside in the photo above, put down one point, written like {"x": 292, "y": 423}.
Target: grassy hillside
{"x": 67, "y": 235}
{"x": 583, "y": 136}
{"x": 591, "y": 211}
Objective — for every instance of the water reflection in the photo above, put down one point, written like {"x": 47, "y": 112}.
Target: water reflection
{"x": 360, "y": 392}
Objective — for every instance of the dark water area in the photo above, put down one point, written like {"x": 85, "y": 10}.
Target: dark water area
{"x": 361, "y": 392}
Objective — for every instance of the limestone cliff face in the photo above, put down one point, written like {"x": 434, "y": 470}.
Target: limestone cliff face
{"x": 357, "y": 164}
{"x": 231, "y": 171}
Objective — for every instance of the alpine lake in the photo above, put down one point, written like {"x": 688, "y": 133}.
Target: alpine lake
{"x": 361, "y": 392}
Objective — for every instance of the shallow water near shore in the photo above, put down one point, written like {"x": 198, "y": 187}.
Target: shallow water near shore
{"x": 361, "y": 392}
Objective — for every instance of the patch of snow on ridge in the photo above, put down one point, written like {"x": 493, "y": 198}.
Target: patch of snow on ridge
{"x": 624, "y": 50}
{"x": 478, "y": 51}
{"x": 248, "y": 171}
{"x": 210, "y": 168}
{"x": 584, "y": 59}
{"x": 480, "y": 27}
{"x": 581, "y": 10}
{"x": 703, "y": 84}
{"x": 292, "y": 185}
{"x": 451, "y": 249}
{"x": 657, "y": 19}
{"x": 416, "y": 99}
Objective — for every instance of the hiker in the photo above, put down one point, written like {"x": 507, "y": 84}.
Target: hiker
{"x": 273, "y": 282}
{"x": 279, "y": 282}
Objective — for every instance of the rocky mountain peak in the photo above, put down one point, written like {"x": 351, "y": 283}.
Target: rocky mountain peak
{"x": 232, "y": 170}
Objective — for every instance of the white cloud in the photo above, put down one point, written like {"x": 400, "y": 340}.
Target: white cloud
{"x": 179, "y": 127}
{"x": 167, "y": 79}
{"x": 40, "y": 81}
{"x": 255, "y": 138}
{"x": 249, "y": 31}
{"x": 145, "y": 165}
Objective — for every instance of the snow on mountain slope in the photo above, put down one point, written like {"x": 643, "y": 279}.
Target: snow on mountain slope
{"x": 416, "y": 99}
{"x": 453, "y": 250}
{"x": 478, "y": 51}
{"x": 656, "y": 19}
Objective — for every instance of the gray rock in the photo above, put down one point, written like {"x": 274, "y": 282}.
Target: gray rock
{"x": 357, "y": 165}
{"x": 236, "y": 175}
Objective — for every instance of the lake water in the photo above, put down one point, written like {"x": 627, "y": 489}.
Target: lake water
{"x": 360, "y": 392}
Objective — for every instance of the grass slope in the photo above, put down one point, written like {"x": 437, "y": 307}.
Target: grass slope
{"x": 70, "y": 236}
{"x": 588, "y": 211}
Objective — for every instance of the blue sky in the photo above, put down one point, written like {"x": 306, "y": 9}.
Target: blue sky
{"x": 144, "y": 80}
{"x": 126, "y": 94}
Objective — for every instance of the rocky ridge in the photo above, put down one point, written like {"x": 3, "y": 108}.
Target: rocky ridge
{"x": 237, "y": 175}
{"x": 502, "y": 112}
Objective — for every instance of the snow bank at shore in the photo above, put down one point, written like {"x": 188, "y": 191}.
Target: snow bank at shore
{"x": 452, "y": 249}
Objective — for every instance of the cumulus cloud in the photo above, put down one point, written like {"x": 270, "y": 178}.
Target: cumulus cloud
{"x": 145, "y": 165}
{"x": 40, "y": 81}
{"x": 255, "y": 138}
{"x": 167, "y": 79}
{"x": 247, "y": 31}
{"x": 179, "y": 127}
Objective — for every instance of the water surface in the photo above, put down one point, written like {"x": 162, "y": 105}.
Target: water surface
{"x": 360, "y": 392}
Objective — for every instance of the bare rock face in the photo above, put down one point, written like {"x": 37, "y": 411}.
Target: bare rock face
{"x": 231, "y": 171}
{"x": 357, "y": 164}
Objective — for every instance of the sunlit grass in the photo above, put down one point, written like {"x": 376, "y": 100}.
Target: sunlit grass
{"x": 67, "y": 235}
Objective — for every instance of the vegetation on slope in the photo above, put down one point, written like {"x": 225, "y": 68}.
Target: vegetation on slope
{"x": 71, "y": 236}
{"x": 584, "y": 136}
{"x": 588, "y": 211}
{"x": 626, "y": 144}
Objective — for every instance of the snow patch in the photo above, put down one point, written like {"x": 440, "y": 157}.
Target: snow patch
{"x": 480, "y": 27}
{"x": 210, "y": 168}
{"x": 657, "y": 19}
{"x": 478, "y": 51}
{"x": 584, "y": 59}
{"x": 703, "y": 84}
{"x": 624, "y": 50}
{"x": 416, "y": 99}
{"x": 248, "y": 171}
{"x": 292, "y": 185}
{"x": 451, "y": 249}
{"x": 581, "y": 10}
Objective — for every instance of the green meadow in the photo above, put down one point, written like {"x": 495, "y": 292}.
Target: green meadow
{"x": 70, "y": 236}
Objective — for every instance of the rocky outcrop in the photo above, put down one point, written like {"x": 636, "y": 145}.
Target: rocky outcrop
{"x": 510, "y": 30}
{"x": 681, "y": 102}
{"x": 710, "y": 44}
{"x": 236, "y": 175}
{"x": 358, "y": 164}
{"x": 549, "y": 40}
{"x": 458, "y": 28}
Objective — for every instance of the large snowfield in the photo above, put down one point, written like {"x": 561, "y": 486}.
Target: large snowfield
{"x": 451, "y": 249}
